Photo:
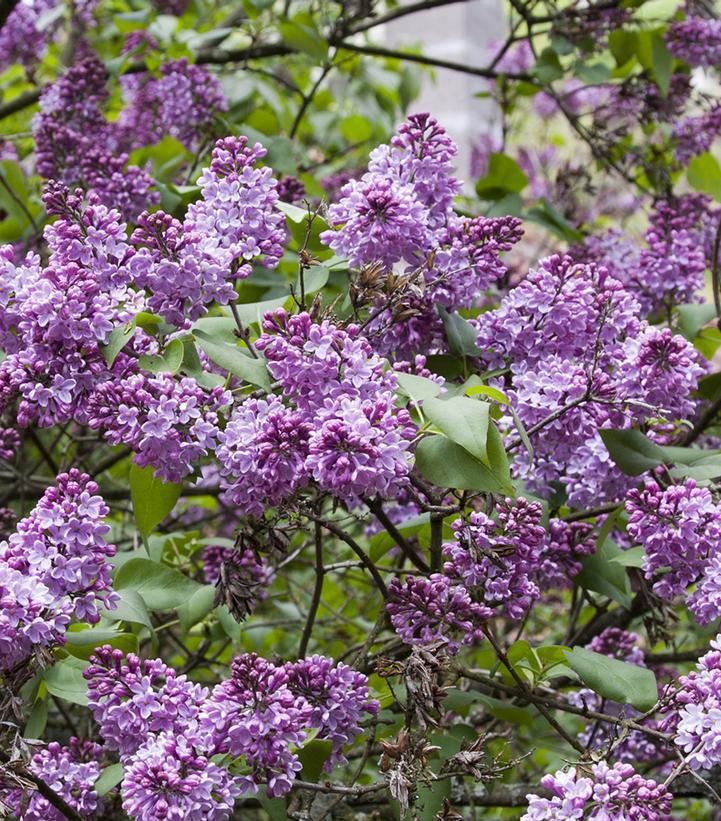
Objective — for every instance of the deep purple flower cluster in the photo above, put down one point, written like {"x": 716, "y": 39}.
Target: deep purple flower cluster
{"x": 9, "y": 443}
{"x": 339, "y": 697}
{"x": 169, "y": 423}
{"x": 71, "y": 772}
{"x": 341, "y": 427}
{"x": 73, "y": 141}
{"x": 181, "y": 102}
{"x": 696, "y": 41}
{"x": 290, "y": 189}
{"x": 599, "y": 792}
{"x": 53, "y": 567}
{"x": 498, "y": 560}
{"x": 564, "y": 545}
{"x": 669, "y": 269}
{"x": 263, "y": 712}
{"x": 21, "y": 40}
{"x": 435, "y": 610}
{"x": 400, "y": 213}
{"x": 188, "y": 265}
{"x": 679, "y": 529}
{"x": 696, "y": 133}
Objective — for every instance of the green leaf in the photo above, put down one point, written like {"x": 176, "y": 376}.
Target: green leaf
{"x": 167, "y": 362}
{"x": 548, "y": 67}
{"x": 197, "y": 607}
{"x": 294, "y": 213}
{"x": 304, "y": 39}
{"x": 704, "y": 174}
{"x": 417, "y": 388}
{"x": 633, "y": 557}
{"x": 314, "y": 279}
{"x": 458, "y": 700}
{"x": 547, "y": 215}
{"x": 152, "y": 498}
{"x": 382, "y": 542}
{"x": 464, "y": 421}
{"x": 131, "y": 608}
{"x": 603, "y": 575}
{"x": 632, "y": 452}
{"x": 504, "y": 176}
{"x": 623, "y": 45}
{"x": 356, "y": 128}
{"x": 110, "y": 777}
{"x": 162, "y": 587}
{"x": 693, "y": 317}
{"x": 617, "y": 680}
{"x": 447, "y": 464}
{"x": 234, "y": 360}
{"x": 37, "y": 719}
{"x": 65, "y": 680}
{"x": 82, "y": 643}
{"x": 460, "y": 333}
{"x": 662, "y": 61}
{"x": 275, "y": 807}
{"x": 313, "y": 756}
{"x": 117, "y": 340}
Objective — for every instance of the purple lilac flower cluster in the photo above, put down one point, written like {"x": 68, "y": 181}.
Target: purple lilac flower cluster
{"x": 167, "y": 729}
{"x": 696, "y": 41}
{"x": 580, "y": 359}
{"x": 498, "y": 560}
{"x": 696, "y": 133}
{"x": 434, "y": 610}
{"x": 71, "y": 772}
{"x": 188, "y": 265}
{"x": 169, "y": 423}
{"x": 400, "y": 213}
{"x": 53, "y": 567}
{"x": 599, "y": 792}
{"x": 564, "y": 545}
{"x": 693, "y": 714}
{"x": 679, "y": 529}
{"x": 9, "y": 443}
{"x": 73, "y": 141}
{"x": 21, "y": 40}
{"x": 180, "y": 103}
{"x": 669, "y": 269}
{"x": 340, "y": 428}
{"x": 56, "y": 317}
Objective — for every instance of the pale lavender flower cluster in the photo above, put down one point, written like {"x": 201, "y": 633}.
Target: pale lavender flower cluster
{"x": 580, "y": 359}
{"x": 599, "y": 792}
{"x": 181, "y": 103}
{"x": 71, "y": 772}
{"x": 498, "y": 560}
{"x": 188, "y": 265}
{"x": 169, "y": 778}
{"x": 73, "y": 141}
{"x": 56, "y": 317}
{"x": 62, "y": 543}
{"x": 132, "y": 698}
{"x": 695, "y": 711}
{"x": 169, "y": 423}
{"x": 54, "y": 567}
{"x": 680, "y": 530}
{"x": 435, "y": 610}
{"x": 341, "y": 427}
{"x": 695, "y": 40}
